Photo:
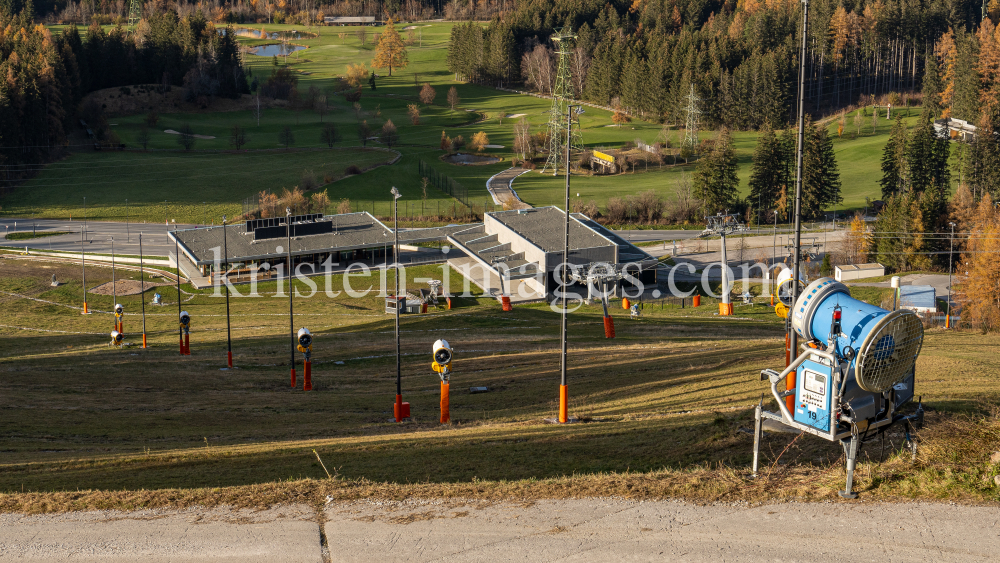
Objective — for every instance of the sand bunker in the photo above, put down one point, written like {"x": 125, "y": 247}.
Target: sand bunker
{"x": 172, "y": 132}
{"x": 124, "y": 287}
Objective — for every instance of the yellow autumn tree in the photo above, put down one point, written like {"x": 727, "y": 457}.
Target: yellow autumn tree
{"x": 356, "y": 73}
{"x": 989, "y": 66}
{"x": 391, "y": 51}
{"x": 479, "y": 141}
{"x": 854, "y": 246}
{"x": 947, "y": 52}
{"x": 979, "y": 271}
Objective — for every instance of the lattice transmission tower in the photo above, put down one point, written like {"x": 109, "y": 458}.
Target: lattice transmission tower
{"x": 691, "y": 122}
{"x": 562, "y": 94}
{"x": 134, "y": 15}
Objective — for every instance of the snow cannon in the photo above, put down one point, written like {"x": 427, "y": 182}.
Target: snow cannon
{"x": 854, "y": 372}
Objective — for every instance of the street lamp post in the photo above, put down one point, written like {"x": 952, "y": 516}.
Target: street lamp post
{"x": 142, "y": 291}
{"x": 177, "y": 255}
{"x": 774, "y": 240}
{"x": 85, "y": 215}
{"x": 947, "y": 315}
{"x": 83, "y": 258}
{"x": 225, "y": 274}
{"x": 792, "y": 336}
{"x": 398, "y": 407}
{"x": 128, "y": 237}
{"x": 288, "y": 275}
{"x": 563, "y": 389}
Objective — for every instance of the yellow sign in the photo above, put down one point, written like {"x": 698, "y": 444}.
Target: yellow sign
{"x": 606, "y": 158}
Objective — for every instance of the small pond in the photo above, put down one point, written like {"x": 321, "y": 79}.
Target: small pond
{"x": 464, "y": 158}
{"x": 276, "y": 50}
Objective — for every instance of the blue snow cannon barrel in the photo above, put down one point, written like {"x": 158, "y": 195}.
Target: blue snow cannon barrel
{"x": 881, "y": 345}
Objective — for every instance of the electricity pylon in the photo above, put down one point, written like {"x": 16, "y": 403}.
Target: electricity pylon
{"x": 134, "y": 15}
{"x": 561, "y": 96}
{"x": 691, "y": 123}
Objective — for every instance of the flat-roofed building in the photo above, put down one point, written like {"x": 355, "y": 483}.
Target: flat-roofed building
{"x": 257, "y": 248}
{"x": 521, "y": 250}
{"x": 848, "y": 272}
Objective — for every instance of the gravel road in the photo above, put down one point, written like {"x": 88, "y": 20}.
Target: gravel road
{"x": 475, "y": 531}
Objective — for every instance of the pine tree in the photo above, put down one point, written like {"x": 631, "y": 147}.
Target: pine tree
{"x": 715, "y": 181}
{"x": 767, "y": 171}
{"x": 820, "y": 174}
{"x": 892, "y": 160}
{"x": 919, "y": 160}
{"x": 984, "y": 177}
{"x": 391, "y": 51}
{"x": 965, "y": 104}
{"x": 932, "y": 87}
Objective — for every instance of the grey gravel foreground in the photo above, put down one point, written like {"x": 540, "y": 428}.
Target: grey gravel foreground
{"x": 289, "y": 533}
{"x": 570, "y": 530}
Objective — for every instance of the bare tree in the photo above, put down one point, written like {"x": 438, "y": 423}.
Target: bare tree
{"x": 364, "y": 132}
{"x": 257, "y": 112}
{"x": 362, "y": 34}
{"x": 329, "y": 134}
{"x": 580, "y": 64}
{"x": 142, "y": 137}
{"x": 238, "y": 137}
{"x": 286, "y": 137}
{"x": 427, "y": 94}
{"x": 453, "y": 99}
{"x": 320, "y": 106}
{"x": 389, "y": 136}
{"x": 186, "y": 138}
{"x": 522, "y": 139}
{"x": 538, "y": 69}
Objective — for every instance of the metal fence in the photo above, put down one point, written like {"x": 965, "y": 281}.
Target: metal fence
{"x": 444, "y": 183}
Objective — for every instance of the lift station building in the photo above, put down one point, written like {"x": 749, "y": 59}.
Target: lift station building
{"x": 517, "y": 252}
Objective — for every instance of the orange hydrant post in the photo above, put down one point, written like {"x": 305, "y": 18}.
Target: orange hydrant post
{"x": 144, "y": 340}
{"x": 563, "y": 404}
{"x": 696, "y": 301}
{"x": 307, "y": 382}
{"x": 229, "y": 359}
{"x": 187, "y": 343}
{"x": 181, "y": 337}
{"x": 609, "y": 327}
{"x": 85, "y": 308}
{"x": 445, "y": 403}
{"x": 397, "y": 408}
{"x": 293, "y": 377}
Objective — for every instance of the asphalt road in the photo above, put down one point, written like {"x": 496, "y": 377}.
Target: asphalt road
{"x": 592, "y": 530}
{"x": 97, "y": 235}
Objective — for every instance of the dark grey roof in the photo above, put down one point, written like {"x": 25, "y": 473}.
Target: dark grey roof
{"x": 351, "y": 231}
{"x": 627, "y": 252}
{"x": 545, "y": 228}
{"x": 409, "y": 236}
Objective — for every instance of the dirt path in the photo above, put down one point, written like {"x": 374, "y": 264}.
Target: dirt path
{"x": 566, "y": 530}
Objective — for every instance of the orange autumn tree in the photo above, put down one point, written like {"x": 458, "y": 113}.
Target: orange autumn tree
{"x": 391, "y": 51}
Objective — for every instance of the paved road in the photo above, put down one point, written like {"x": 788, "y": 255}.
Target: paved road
{"x": 569, "y": 530}
{"x": 98, "y": 236}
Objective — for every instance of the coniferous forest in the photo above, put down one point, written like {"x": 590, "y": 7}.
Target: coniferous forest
{"x": 46, "y": 76}
{"x": 741, "y": 58}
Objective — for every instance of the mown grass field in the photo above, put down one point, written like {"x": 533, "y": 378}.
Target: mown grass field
{"x": 666, "y": 406}
{"x": 222, "y": 180}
